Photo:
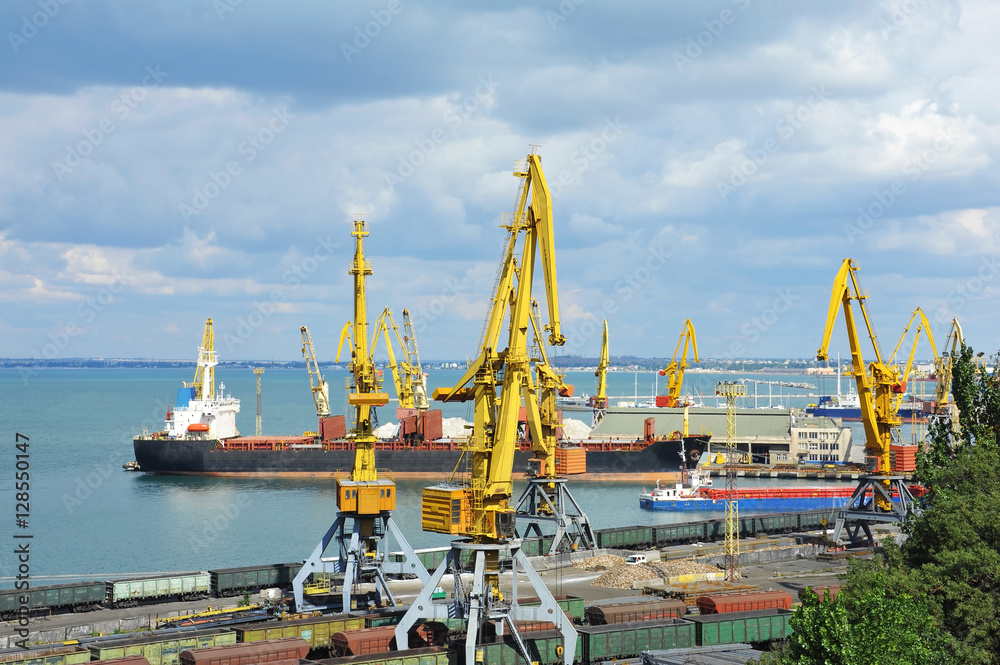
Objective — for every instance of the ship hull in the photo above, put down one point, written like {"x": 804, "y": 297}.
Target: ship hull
{"x": 782, "y": 505}
{"x": 206, "y": 457}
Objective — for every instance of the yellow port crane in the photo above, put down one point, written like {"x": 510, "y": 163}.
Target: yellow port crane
{"x": 952, "y": 347}
{"x": 365, "y": 500}
{"x": 320, "y": 390}
{"x": 546, "y": 500}
{"x": 599, "y": 402}
{"x": 204, "y": 373}
{"x": 924, "y": 326}
{"x": 407, "y": 375}
{"x": 675, "y": 370}
{"x": 480, "y": 510}
{"x": 878, "y": 384}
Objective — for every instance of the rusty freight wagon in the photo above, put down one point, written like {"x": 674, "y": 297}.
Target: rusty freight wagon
{"x": 255, "y": 653}
{"x": 364, "y": 641}
{"x": 599, "y": 614}
{"x": 744, "y": 602}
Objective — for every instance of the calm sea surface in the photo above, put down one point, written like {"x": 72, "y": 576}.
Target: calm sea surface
{"x": 89, "y": 518}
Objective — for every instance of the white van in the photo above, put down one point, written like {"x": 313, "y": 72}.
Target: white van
{"x": 635, "y": 559}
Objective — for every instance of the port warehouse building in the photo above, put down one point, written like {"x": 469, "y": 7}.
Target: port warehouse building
{"x": 775, "y": 436}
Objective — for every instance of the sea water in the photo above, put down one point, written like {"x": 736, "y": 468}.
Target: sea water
{"x": 89, "y": 519}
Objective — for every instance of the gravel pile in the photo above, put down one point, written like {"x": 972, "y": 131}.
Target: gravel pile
{"x": 603, "y": 562}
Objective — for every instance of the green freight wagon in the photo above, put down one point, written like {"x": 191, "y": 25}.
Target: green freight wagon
{"x": 733, "y": 627}
{"x": 81, "y": 596}
{"x": 186, "y": 586}
{"x": 317, "y": 631}
{"x": 571, "y": 605}
{"x": 545, "y": 648}
{"x": 815, "y": 519}
{"x": 673, "y": 534}
{"x": 422, "y": 656}
{"x": 628, "y": 640}
{"x": 61, "y": 655}
{"x": 779, "y": 523}
{"x": 163, "y": 649}
{"x": 233, "y": 581}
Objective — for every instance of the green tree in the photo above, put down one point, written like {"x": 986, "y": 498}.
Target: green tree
{"x": 866, "y": 624}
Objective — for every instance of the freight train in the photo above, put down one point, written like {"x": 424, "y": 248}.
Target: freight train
{"x": 226, "y": 582}
{"x": 87, "y": 596}
{"x": 327, "y": 634}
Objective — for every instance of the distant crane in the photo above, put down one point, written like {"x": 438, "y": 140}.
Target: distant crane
{"x": 877, "y": 385}
{"x": 675, "y": 370}
{"x": 320, "y": 391}
{"x": 599, "y": 401}
{"x": 407, "y": 375}
{"x": 365, "y": 500}
{"x": 952, "y": 346}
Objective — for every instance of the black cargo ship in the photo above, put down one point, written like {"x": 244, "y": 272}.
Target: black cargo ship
{"x": 309, "y": 456}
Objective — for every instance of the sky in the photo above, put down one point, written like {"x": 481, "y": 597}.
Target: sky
{"x": 163, "y": 163}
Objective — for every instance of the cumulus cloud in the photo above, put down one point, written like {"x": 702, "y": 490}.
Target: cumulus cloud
{"x": 701, "y": 158}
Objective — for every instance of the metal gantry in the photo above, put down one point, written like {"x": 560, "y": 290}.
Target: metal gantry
{"x": 731, "y": 391}
{"x": 258, "y": 371}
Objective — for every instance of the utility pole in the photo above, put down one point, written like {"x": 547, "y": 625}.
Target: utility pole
{"x": 258, "y": 371}
{"x": 731, "y": 391}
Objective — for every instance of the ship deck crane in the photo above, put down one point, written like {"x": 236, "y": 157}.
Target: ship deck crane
{"x": 204, "y": 374}
{"x": 320, "y": 390}
{"x": 546, "y": 500}
{"x": 365, "y": 500}
{"x": 480, "y": 510}
{"x": 599, "y": 401}
{"x": 407, "y": 375}
{"x": 675, "y": 370}
{"x": 878, "y": 386}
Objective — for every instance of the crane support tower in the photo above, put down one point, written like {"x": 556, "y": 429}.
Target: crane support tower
{"x": 365, "y": 500}
{"x": 258, "y": 371}
{"x": 479, "y": 510}
{"x": 881, "y": 497}
{"x": 599, "y": 402}
{"x": 675, "y": 370}
{"x": 546, "y": 500}
{"x": 320, "y": 390}
{"x": 731, "y": 391}
{"x": 952, "y": 346}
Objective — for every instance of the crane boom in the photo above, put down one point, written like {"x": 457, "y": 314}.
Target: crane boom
{"x": 675, "y": 370}
{"x": 320, "y": 390}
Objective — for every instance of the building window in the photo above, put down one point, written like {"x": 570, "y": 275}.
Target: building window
{"x": 812, "y": 457}
{"x": 824, "y": 458}
{"x": 824, "y": 446}
{"x": 834, "y": 446}
{"x": 813, "y": 435}
{"x": 813, "y": 446}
